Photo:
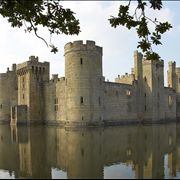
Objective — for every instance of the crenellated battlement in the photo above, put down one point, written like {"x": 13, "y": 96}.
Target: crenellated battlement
{"x": 79, "y": 46}
{"x": 33, "y": 61}
{"x": 153, "y": 62}
{"x": 170, "y": 63}
{"x": 55, "y": 79}
{"x": 178, "y": 70}
{"x": 83, "y": 95}
{"x": 126, "y": 76}
{"x": 125, "y": 79}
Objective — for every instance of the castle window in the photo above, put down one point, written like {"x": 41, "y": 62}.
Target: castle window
{"x": 32, "y": 68}
{"x": 145, "y": 108}
{"x": 36, "y": 69}
{"x": 81, "y": 61}
{"x": 40, "y": 70}
{"x": 56, "y": 104}
{"x": 1, "y": 106}
{"x": 145, "y": 95}
{"x": 170, "y": 101}
{"x": 82, "y": 152}
{"x": 43, "y": 69}
{"x": 129, "y": 152}
{"x": 99, "y": 101}
{"x": 82, "y": 100}
{"x": 128, "y": 92}
{"x": 145, "y": 79}
{"x": 56, "y": 101}
{"x": 23, "y": 96}
{"x": 56, "y": 108}
{"x": 170, "y": 140}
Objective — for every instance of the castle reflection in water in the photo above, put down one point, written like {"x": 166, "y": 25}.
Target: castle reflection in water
{"x": 122, "y": 152}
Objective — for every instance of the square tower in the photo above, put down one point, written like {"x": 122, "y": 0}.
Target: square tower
{"x": 31, "y": 77}
{"x": 153, "y": 85}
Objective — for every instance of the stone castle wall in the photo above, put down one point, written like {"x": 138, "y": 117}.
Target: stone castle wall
{"x": 8, "y": 93}
{"x": 83, "y": 97}
{"x": 170, "y": 103}
{"x": 125, "y": 79}
{"x": 178, "y": 105}
{"x": 119, "y": 102}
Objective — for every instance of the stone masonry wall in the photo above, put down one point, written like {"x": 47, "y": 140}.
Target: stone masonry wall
{"x": 119, "y": 102}
{"x": 125, "y": 79}
{"x": 169, "y": 103}
{"x": 8, "y": 94}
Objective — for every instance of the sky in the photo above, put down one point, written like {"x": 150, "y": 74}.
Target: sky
{"x": 118, "y": 44}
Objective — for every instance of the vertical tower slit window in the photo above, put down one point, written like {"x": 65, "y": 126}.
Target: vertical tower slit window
{"x": 81, "y": 60}
{"x": 82, "y": 100}
{"x": 99, "y": 101}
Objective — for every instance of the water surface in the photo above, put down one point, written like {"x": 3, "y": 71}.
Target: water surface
{"x": 113, "y": 152}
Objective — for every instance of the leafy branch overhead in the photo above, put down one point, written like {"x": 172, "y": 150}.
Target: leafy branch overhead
{"x": 32, "y": 13}
{"x": 140, "y": 21}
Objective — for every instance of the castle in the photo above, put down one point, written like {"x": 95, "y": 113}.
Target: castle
{"x": 83, "y": 97}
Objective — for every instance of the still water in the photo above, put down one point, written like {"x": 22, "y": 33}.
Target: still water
{"x": 113, "y": 152}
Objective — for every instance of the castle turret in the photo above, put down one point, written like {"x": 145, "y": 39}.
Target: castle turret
{"x": 31, "y": 76}
{"x": 178, "y": 80}
{"x": 172, "y": 75}
{"x": 138, "y": 65}
{"x": 138, "y": 71}
{"x": 83, "y": 73}
{"x": 153, "y": 77}
{"x": 8, "y": 93}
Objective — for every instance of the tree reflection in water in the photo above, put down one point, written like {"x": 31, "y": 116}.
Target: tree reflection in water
{"x": 114, "y": 152}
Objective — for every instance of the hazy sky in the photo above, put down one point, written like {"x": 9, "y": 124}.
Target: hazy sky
{"x": 118, "y": 44}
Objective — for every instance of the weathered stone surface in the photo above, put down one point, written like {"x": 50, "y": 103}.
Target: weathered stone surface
{"x": 83, "y": 97}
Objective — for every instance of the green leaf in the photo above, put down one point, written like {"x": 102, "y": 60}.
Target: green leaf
{"x": 144, "y": 45}
{"x": 156, "y": 4}
{"x": 163, "y": 27}
{"x": 152, "y": 56}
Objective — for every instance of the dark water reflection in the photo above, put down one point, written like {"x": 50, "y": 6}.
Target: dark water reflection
{"x": 114, "y": 152}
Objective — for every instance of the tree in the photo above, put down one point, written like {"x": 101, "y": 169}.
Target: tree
{"x": 47, "y": 13}
{"x": 140, "y": 21}
{"x": 51, "y": 15}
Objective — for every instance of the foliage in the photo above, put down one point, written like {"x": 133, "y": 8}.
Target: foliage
{"x": 140, "y": 21}
{"x": 51, "y": 15}
{"x": 47, "y": 13}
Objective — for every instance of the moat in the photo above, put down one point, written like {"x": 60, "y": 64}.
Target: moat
{"x": 133, "y": 151}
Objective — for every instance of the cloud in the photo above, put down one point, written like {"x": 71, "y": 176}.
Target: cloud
{"x": 118, "y": 44}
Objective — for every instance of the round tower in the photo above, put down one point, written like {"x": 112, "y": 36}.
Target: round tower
{"x": 83, "y": 73}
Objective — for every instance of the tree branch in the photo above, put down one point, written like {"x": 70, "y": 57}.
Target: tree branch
{"x": 35, "y": 32}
